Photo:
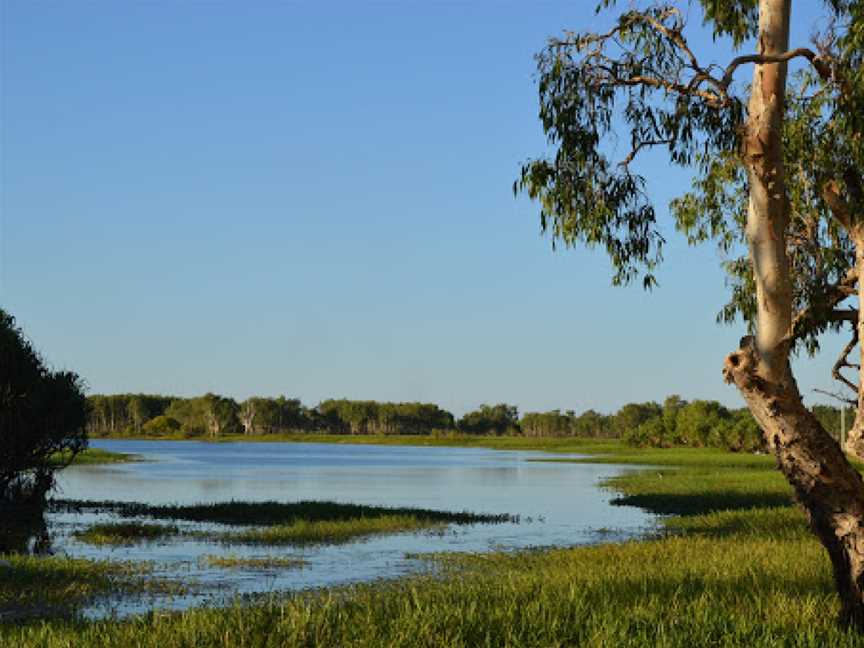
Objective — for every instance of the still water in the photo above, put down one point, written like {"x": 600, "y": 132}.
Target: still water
{"x": 559, "y": 504}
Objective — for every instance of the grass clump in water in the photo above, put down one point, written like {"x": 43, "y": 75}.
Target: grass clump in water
{"x": 125, "y": 533}
{"x": 302, "y": 532}
{"x": 267, "y": 513}
{"x": 261, "y": 562}
{"x": 92, "y": 456}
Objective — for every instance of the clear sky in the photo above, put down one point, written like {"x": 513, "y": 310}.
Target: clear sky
{"x": 314, "y": 199}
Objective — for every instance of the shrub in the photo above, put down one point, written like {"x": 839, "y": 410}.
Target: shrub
{"x": 43, "y": 418}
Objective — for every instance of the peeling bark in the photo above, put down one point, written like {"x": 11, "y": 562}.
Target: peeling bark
{"x": 830, "y": 490}
{"x": 855, "y": 438}
{"x": 825, "y": 483}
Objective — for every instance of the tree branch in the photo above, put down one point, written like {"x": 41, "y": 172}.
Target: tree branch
{"x": 818, "y": 62}
{"x": 839, "y": 207}
{"x": 834, "y": 294}
{"x": 838, "y": 397}
{"x": 843, "y": 361}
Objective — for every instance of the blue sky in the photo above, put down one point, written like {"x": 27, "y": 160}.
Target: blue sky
{"x": 315, "y": 199}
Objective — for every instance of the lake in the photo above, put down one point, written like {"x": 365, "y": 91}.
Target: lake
{"x": 560, "y": 504}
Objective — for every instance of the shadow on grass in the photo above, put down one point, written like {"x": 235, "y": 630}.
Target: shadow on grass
{"x": 701, "y": 503}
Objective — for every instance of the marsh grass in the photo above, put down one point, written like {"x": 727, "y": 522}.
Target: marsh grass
{"x": 125, "y": 533}
{"x": 92, "y": 456}
{"x": 303, "y": 532}
{"x": 274, "y": 523}
{"x": 734, "y": 565}
{"x": 264, "y": 563}
{"x": 549, "y": 444}
{"x": 38, "y": 586}
{"x": 267, "y": 513}
{"x": 678, "y": 591}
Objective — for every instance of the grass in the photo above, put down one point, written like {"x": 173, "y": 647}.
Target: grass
{"x": 237, "y": 512}
{"x": 32, "y": 586}
{"x": 549, "y": 444}
{"x": 734, "y": 565}
{"x": 265, "y": 563}
{"x": 304, "y": 532}
{"x": 125, "y": 533}
{"x": 293, "y": 523}
{"x": 92, "y": 456}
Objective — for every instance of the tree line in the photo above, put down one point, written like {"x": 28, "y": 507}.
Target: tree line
{"x": 675, "y": 422}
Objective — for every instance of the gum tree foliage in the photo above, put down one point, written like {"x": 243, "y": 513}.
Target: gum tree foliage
{"x": 43, "y": 417}
{"x": 491, "y": 419}
{"x": 372, "y": 417}
{"x": 777, "y": 168}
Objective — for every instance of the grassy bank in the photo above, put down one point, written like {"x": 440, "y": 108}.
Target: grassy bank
{"x": 733, "y": 565}
{"x": 549, "y": 444}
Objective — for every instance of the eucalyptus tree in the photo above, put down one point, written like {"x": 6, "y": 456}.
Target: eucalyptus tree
{"x": 491, "y": 419}
{"x": 800, "y": 218}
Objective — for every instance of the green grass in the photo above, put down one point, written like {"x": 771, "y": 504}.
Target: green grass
{"x": 549, "y": 444}
{"x": 236, "y": 512}
{"x": 276, "y": 523}
{"x": 264, "y": 563}
{"x": 36, "y": 586}
{"x": 125, "y": 533}
{"x": 92, "y": 456}
{"x": 734, "y": 565}
{"x": 304, "y": 532}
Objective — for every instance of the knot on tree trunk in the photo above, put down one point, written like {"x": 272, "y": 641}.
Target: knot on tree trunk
{"x": 739, "y": 367}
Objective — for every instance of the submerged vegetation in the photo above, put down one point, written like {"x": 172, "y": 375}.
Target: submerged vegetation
{"x": 59, "y": 586}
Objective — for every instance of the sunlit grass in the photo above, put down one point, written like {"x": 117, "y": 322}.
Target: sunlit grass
{"x": 274, "y": 523}
{"x": 125, "y": 533}
{"x": 700, "y": 590}
{"x": 92, "y": 456}
{"x": 732, "y": 565}
{"x": 302, "y": 532}
{"x": 264, "y": 563}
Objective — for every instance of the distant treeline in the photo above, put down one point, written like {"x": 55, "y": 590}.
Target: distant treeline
{"x": 676, "y": 422}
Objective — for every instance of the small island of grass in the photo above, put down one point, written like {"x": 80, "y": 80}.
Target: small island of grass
{"x": 125, "y": 533}
{"x": 263, "y": 563}
{"x": 275, "y": 523}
